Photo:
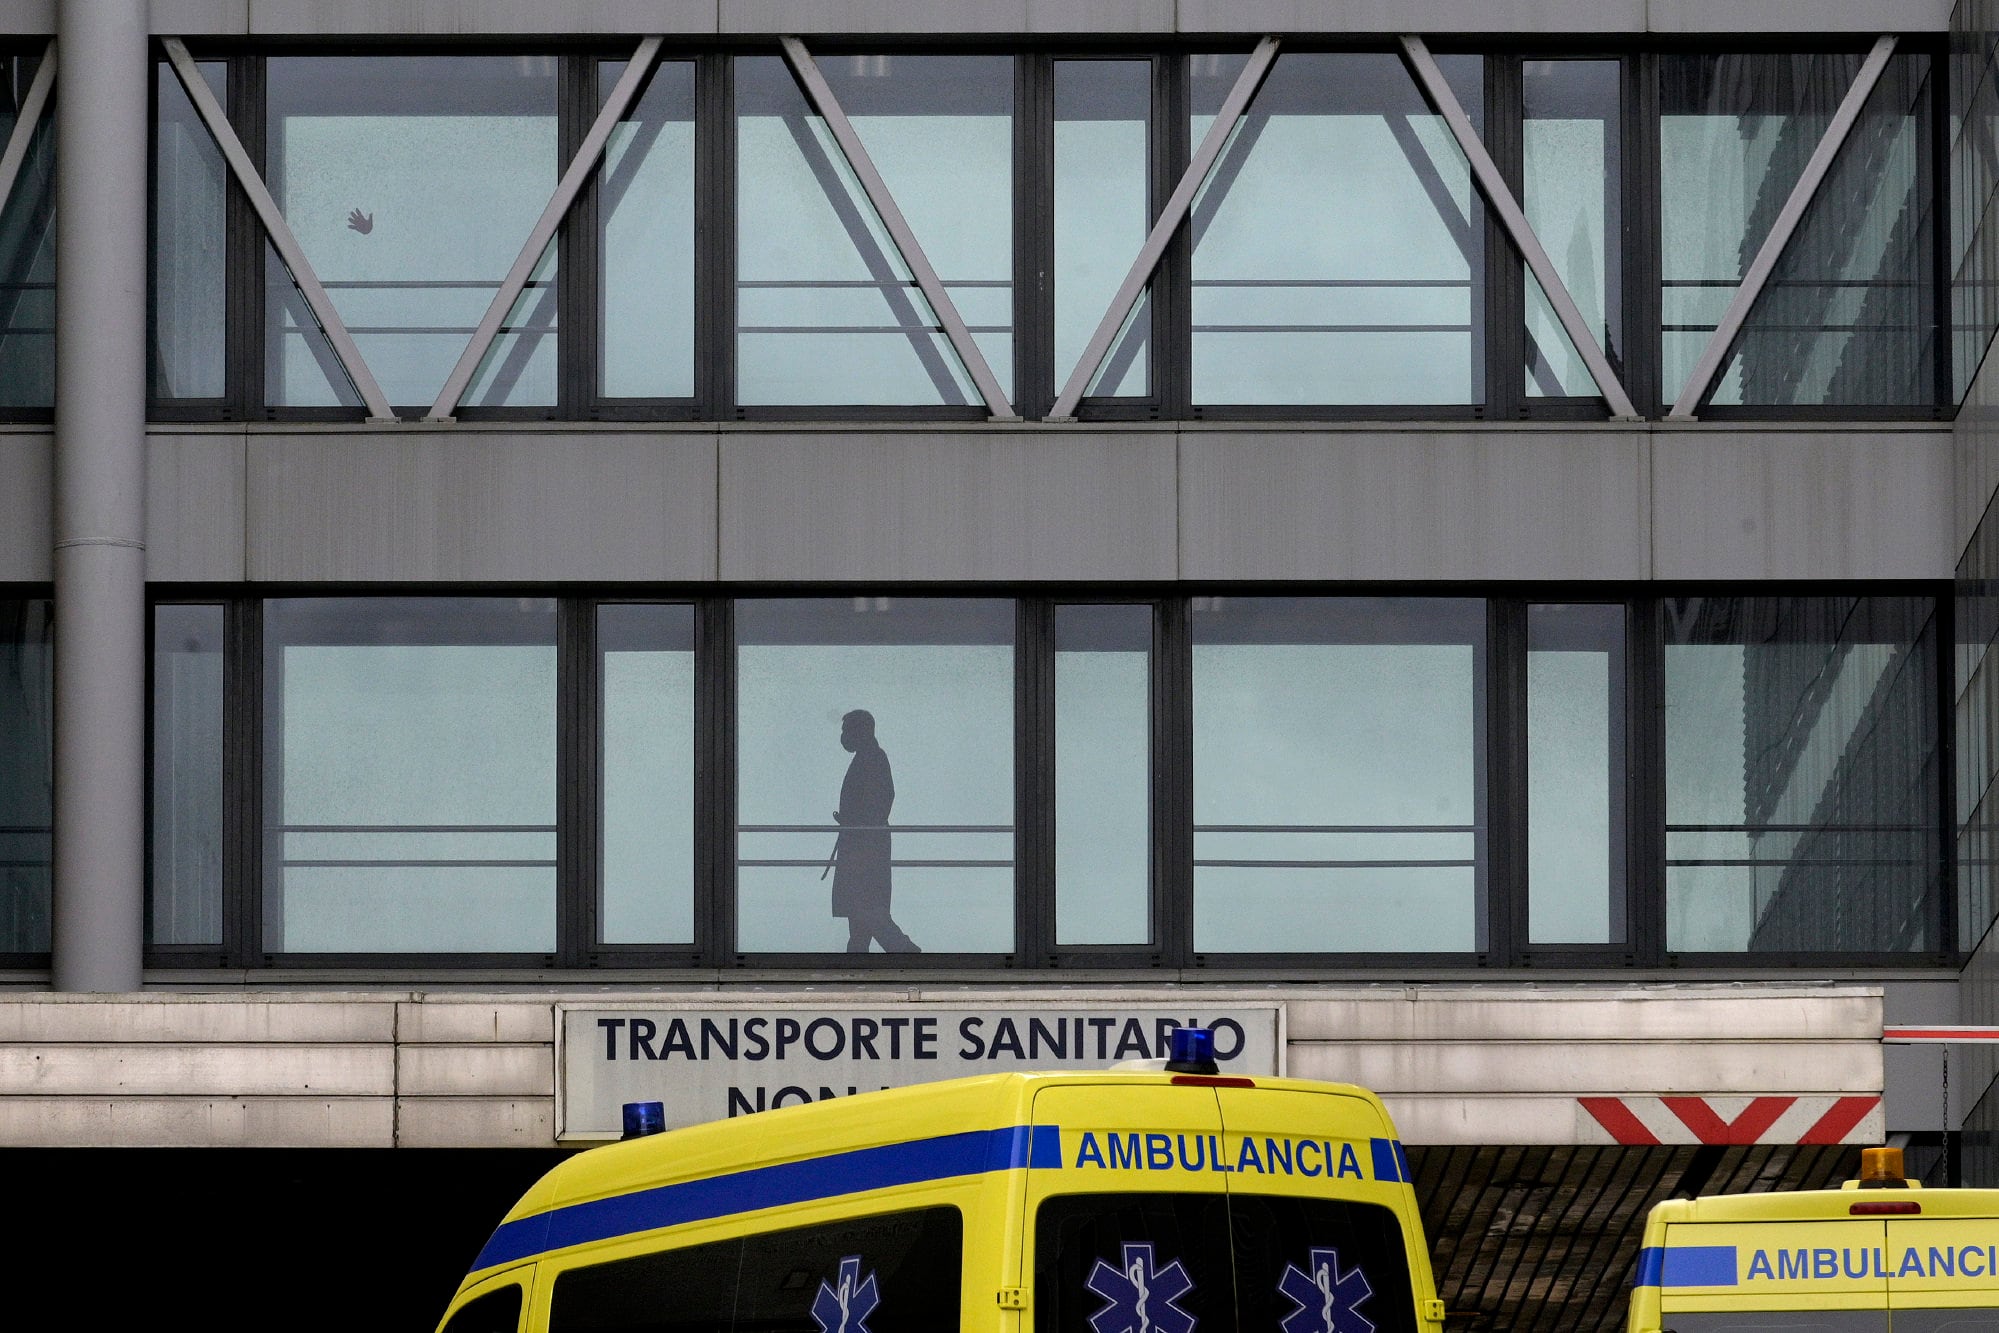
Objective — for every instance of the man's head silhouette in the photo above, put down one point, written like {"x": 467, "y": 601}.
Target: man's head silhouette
{"x": 857, "y": 729}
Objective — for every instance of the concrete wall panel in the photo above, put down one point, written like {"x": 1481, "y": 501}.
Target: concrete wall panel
{"x": 1417, "y": 16}
{"x": 1777, "y": 1014}
{"x": 988, "y": 503}
{"x": 1854, "y": 16}
{"x": 465, "y": 504}
{"x": 198, "y": 18}
{"x": 474, "y": 1071}
{"x": 196, "y": 1122}
{"x": 221, "y": 1020}
{"x": 194, "y": 507}
{"x": 946, "y": 16}
{"x": 27, "y": 500}
{"x": 1397, "y": 504}
{"x": 475, "y": 1122}
{"x": 37, "y": 17}
{"x": 442, "y": 1020}
{"x": 196, "y": 1071}
{"x": 1482, "y": 1068}
{"x": 449, "y": 18}
{"x": 1832, "y": 504}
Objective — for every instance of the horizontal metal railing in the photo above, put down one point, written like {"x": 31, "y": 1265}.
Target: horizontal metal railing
{"x": 930, "y": 863}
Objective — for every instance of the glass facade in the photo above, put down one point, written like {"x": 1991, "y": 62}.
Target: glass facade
{"x": 1103, "y": 775}
{"x": 1103, "y": 131}
{"x": 645, "y": 239}
{"x": 27, "y": 252}
{"x": 1572, "y": 186}
{"x": 184, "y": 905}
{"x": 190, "y": 225}
{"x": 645, "y": 679}
{"x": 1576, "y": 797}
{"x": 27, "y": 717}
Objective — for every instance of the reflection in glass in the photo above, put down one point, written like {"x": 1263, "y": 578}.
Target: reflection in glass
{"x": 185, "y": 893}
{"x": 1338, "y": 251}
{"x": 27, "y": 731}
{"x": 190, "y": 230}
{"x": 1103, "y": 114}
{"x": 1571, "y": 146}
{"x": 919, "y": 794}
{"x": 1338, "y": 774}
{"x": 1801, "y": 785}
{"x": 1103, "y": 774}
{"x": 826, "y": 309}
{"x": 1848, "y": 316}
{"x": 1976, "y": 672}
{"x": 410, "y": 774}
{"x": 646, "y": 238}
{"x": 1735, "y": 132}
{"x": 1575, "y": 775}
{"x": 28, "y": 253}
{"x": 411, "y": 182}
{"x": 646, "y": 673}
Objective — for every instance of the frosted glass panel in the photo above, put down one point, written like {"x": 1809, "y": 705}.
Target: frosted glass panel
{"x": 646, "y": 665}
{"x": 27, "y": 733}
{"x": 28, "y": 253}
{"x": 1571, "y": 193}
{"x": 1102, "y": 213}
{"x": 190, "y": 232}
{"x": 410, "y": 775}
{"x": 1338, "y": 774}
{"x": 1575, "y": 775}
{"x": 185, "y": 893}
{"x": 646, "y": 217}
{"x": 1103, "y": 775}
{"x": 875, "y": 784}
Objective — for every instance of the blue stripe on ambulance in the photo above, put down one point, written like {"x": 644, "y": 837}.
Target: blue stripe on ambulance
{"x": 1390, "y": 1162}
{"x": 911, "y": 1163}
{"x": 1686, "y": 1266}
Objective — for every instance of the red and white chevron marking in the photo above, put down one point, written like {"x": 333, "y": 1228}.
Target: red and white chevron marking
{"x": 1651, "y": 1120}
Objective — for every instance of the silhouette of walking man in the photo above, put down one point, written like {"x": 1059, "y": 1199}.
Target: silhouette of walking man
{"x": 861, "y": 855}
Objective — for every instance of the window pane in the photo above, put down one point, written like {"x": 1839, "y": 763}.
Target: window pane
{"x": 26, "y": 773}
{"x": 495, "y": 1312}
{"x": 1103, "y": 774}
{"x": 190, "y": 231}
{"x": 1848, "y": 315}
{"x": 1348, "y": 1260}
{"x": 1571, "y": 182}
{"x": 410, "y": 775}
{"x": 1801, "y": 787}
{"x": 1575, "y": 775}
{"x": 411, "y": 182}
{"x": 1338, "y": 252}
{"x": 1734, "y": 134}
{"x": 646, "y": 235}
{"x": 646, "y": 672}
{"x": 1086, "y": 1245}
{"x": 826, "y": 310}
{"x": 1103, "y": 111}
{"x": 28, "y": 254}
{"x": 875, "y": 782}
{"x": 1338, "y": 774}
{"x": 186, "y": 889}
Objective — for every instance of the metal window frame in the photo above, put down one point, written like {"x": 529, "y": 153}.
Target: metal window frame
{"x": 1708, "y": 365}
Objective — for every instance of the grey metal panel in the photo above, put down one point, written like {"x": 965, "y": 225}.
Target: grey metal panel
{"x": 1396, "y": 17}
{"x": 1801, "y": 504}
{"x": 945, "y": 16}
{"x": 199, "y": 18}
{"x": 984, "y": 503}
{"x": 194, "y": 506}
{"x": 1915, "y": 1077}
{"x": 1800, "y": 16}
{"x": 27, "y": 489}
{"x": 458, "y": 503}
{"x": 29, "y": 16}
{"x": 459, "y": 18}
{"x": 1391, "y": 504}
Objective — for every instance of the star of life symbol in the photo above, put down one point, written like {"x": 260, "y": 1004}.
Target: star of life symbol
{"x": 1141, "y": 1296}
{"x": 845, "y": 1308}
{"x": 1328, "y": 1300}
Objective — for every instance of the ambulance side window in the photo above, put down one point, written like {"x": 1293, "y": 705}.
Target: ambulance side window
{"x": 1320, "y": 1266}
{"x": 1133, "y": 1263}
{"x": 495, "y": 1312}
{"x": 889, "y": 1273}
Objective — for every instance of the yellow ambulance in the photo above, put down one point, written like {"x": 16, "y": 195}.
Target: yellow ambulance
{"x": 1175, "y": 1200}
{"x": 1880, "y": 1255}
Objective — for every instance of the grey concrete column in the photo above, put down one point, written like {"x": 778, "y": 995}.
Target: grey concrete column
{"x": 100, "y": 491}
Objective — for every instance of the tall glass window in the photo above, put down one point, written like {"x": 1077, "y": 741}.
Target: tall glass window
{"x": 411, "y": 183}
{"x": 1338, "y": 243}
{"x": 875, "y": 783}
{"x": 28, "y": 253}
{"x": 1849, "y": 313}
{"x": 1801, "y": 779}
{"x": 645, "y": 666}
{"x": 827, "y": 311}
{"x": 1571, "y": 186}
{"x": 190, "y": 233}
{"x": 185, "y": 892}
{"x": 1575, "y": 775}
{"x": 27, "y": 739}
{"x": 1735, "y": 132}
{"x": 410, "y": 775}
{"x": 1103, "y": 775}
{"x": 1103, "y": 113}
{"x": 1339, "y": 789}
{"x": 646, "y": 238}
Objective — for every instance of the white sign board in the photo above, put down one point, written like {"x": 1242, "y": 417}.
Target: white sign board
{"x": 710, "y": 1064}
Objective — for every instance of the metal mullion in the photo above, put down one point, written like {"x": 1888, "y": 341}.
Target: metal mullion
{"x": 243, "y": 783}
{"x": 714, "y": 237}
{"x": 1164, "y": 227}
{"x": 1034, "y": 232}
{"x": 244, "y": 257}
{"x": 1172, "y": 784}
{"x": 27, "y": 120}
{"x": 1942, "y": 360}
{"x": 1034, "y": 781}
{"x": 577, "y": 289}
{"x": 579, "y": 781}
{"x": 1944, "y": 638}
{"x": 1708, "y": 365}
{"x": 1505, "y": 306}
{"x": 820, "y": 93}
{"x": 1645, "y": 781}
{"x": 1639, "y": 251}
{"x": 715, "y": 800}
{"x": 1506, "y": 832}
{"x": 280, "y": 232}
{"x": 1502, "y": 202}
{"x": 1172, "y": 286}
{"x": 580, "y": 168}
